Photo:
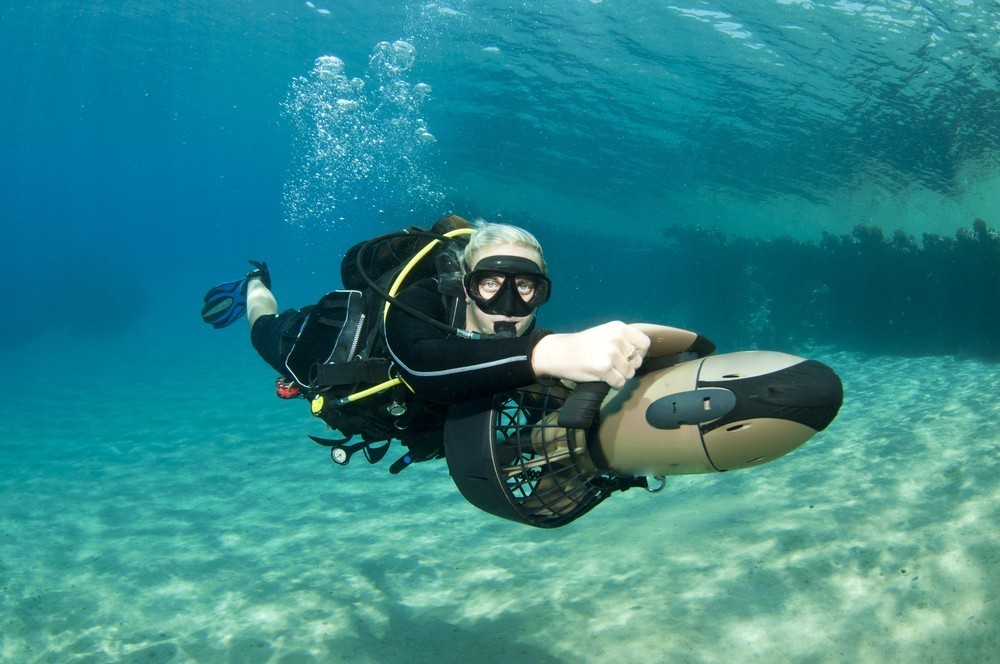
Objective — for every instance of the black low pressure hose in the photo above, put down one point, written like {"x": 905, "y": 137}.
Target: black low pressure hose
{"x": 391, "y": 299}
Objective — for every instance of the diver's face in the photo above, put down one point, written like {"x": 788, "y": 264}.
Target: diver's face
{"x": 489, "y": 285}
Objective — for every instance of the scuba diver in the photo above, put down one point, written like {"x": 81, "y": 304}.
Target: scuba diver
{"x": 465, "y": 330}
{"x": 433, "y": 342}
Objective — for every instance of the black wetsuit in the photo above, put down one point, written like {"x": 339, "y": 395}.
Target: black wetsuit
{"x": 444, "y": 368}
{"x": 273, "y": 336}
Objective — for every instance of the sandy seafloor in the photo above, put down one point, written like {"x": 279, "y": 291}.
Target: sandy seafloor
{"x": 160, "y": 505}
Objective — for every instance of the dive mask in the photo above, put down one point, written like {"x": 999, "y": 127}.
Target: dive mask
{"x": 513, "y": 275}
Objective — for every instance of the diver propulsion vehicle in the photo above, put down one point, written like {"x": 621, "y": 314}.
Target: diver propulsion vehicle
{"x": 547, "y": 455}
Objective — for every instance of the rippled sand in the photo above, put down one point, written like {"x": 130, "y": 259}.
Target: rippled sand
{"x": 169, "y": 508}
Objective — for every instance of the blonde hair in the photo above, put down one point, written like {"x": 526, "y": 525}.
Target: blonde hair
{"x": 489, "y": 233}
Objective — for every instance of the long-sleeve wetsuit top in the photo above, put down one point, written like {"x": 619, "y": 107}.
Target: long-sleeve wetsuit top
{"x": 444, "y": 368}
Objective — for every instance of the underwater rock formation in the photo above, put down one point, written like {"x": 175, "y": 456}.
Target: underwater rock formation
{"x": 864, "y": 290}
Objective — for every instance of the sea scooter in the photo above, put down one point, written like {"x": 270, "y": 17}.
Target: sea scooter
{"x": 547, "y": 455}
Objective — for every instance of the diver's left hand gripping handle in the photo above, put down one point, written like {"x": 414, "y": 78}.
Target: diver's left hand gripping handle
{"x": 583, "y": 405}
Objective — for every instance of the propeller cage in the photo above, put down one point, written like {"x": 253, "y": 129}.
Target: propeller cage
{"x": 509, "y": 457}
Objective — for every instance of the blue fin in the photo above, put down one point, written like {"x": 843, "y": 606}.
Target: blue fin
{"x": 225, "y": 304}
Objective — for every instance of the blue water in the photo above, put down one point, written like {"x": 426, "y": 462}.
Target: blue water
{"x": 161, "y": 505}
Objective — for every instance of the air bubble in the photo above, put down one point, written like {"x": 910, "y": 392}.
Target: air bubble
{"x": 329, "y": 66}
{"x": 360, "y": 144}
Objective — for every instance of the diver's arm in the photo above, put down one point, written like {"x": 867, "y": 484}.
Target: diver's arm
{"x": 611, "y": 353}
{"x": 447, "y": 369}
{"x": 666, "y": 340}
{"x": 608, "y": 353}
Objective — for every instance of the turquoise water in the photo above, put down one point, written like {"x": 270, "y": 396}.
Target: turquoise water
{"x": 159, "y": 504}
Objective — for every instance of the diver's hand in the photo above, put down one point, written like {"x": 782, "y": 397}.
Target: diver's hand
{"x": 608, "y": 353}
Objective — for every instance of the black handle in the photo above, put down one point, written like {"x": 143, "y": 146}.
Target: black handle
{"x": 582, "y": 406}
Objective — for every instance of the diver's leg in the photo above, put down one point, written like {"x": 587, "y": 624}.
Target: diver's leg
{"x": 260, "y": 301}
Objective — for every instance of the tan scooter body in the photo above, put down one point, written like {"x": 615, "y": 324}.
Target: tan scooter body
{"x": 633, "y": 445}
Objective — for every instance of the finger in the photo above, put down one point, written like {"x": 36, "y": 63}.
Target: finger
{"x": 633, "y": 358}
{"x": 615, "y": 379}
{"x": 635, "y": 338}
{"x": 624, "y": 369}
